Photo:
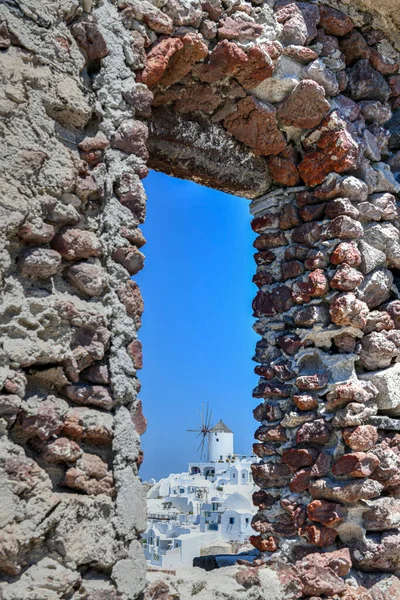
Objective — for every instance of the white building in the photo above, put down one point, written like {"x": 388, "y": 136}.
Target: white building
{"x": 209, "y": 504}
{"x": 220, "y": 443}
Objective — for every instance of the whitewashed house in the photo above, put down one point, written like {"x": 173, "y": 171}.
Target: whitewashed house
{"x": 210, "y": 503}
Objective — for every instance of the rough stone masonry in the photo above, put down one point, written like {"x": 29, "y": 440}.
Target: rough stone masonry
{"x": 294, "y": 105}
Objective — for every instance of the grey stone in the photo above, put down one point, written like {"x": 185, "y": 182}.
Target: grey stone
{"x": 384, "y": 237}
{"x": 377, "y": 351}
{"x": 129, "y": 574}
{"x": 84, "y": 532}
{"x": 372, "y": 150}
{"x": 286, "y": 76}
{"x": 386, "y": 181}
{"x": 319, "y": 72}
{"x": 387, "y": 382}
{"x": 367, "y": 84}
{"x": 393, "y": 125}
{"x": 376, "y": 287}
{"x": 382, "y": 514}
{"x": 46, "y": 580}
{"x": 385, "y": 423}
{"x": 375, "y": 112}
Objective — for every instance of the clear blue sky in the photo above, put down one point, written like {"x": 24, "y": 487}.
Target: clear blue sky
{"x": 197, "y": 326}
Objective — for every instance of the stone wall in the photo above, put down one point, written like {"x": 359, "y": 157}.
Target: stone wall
{"x": 294, "y": 105}
{"x": 71, "y": 201}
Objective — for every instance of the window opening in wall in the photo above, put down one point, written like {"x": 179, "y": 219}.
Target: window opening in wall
{"x": 196, "y": 283}
{"x": 197, "y": 330}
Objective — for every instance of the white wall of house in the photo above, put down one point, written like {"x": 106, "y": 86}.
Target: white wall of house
{"x": 235, "y": 525}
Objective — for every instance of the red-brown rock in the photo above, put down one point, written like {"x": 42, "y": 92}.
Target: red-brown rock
{"x": 326, "y": 513}
{"x": 158, "y": 59}
{"x": 130, "y": 258}
{"x": 130, "y": 296}
{"x": 90, "y": 395}
{"x": 351, "y": 391}
{"x": 141, "y": 98}
{"x": 312, "y": 212}
{"x": 292, "y": 269}
{"x": 356, "y": 464}
{"x": 305, "y": 402}
{"x": 312, "y": 382}
{"x": 39, "y": 263}
{"x": 270, "y": 434}
{"x": 198, "y": 97}
{"x": 290, "y": 343}
{"x": 135, "y": 352}
{"x": 346, "y": 252}
{"x": 319, "y": 536}
{"x": 225, "y": 59}
{"x": 263, "y": 306}
{"x": 263, "y": 545}
{"x": 347, "y": 492}
{"x": 131, "y": 137}
{"x": 97, "y": 373}
{"x": 236, "y": 28}
{"x": 338, "y": 561}
{"x": 263, "y": 278}
{"x": 262, "y": 499}
{"x": 264, "y": 258}
{"x": 305, "y": 107}
{"x": 131, "y": 194}
{"x": 322, "y": 465}
{"x": 345, "y": 343}
{"x": 314, "y": 432}
{"x": 346, "y": 309}
{"x": 361, "y": 438}
{"x": 283, "y": 170}
{"x": 270, "y": 240}
{"x": 383, "y": 64}
{"x": 62, "y": 450}
{"x": 258, "y": 66}
{"x": 282, "y": 298}
{"x": 43, "y": 419}
{"x": 329, "y": 148}
{"x": 394, "y": 84}
{"x": 90, "y": 39}
{"x": 289, "y": 216}
{"x": 181, "y": 62}
{"x": 334, "y": 21}
{"x": 299, "y": 457}
{"x": 315, "y": 286}
{"x": 138, "y": 418}
{"x": 248, "y": 578}
{"x": 341, "y": 206}
{"x": 145, "y": 11}
{"x": 87, "y": 278}
{"x": 254, "y": 124}
{"x": 308, "y": 233}
{"x": 300, "y": 481}
{"x": 354, "y": 47}
{"x": 36, "y": 233}
{"x": 344, "y": 228}
{"x": 270, "y": 475}
{"x": 346, "y": 278}
{"x": 301, "y": 54}
{"x": 90, "y": 475}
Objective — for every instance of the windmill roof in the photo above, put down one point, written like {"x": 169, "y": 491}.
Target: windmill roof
{"x": 220, "y": 426}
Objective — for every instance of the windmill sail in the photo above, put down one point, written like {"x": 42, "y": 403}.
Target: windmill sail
{"x": 203, "y": 430}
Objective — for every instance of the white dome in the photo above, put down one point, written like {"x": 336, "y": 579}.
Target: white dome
{"x": 237, "y": 501}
